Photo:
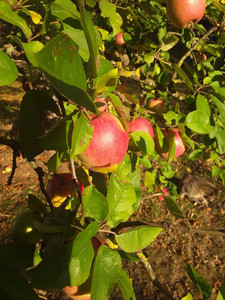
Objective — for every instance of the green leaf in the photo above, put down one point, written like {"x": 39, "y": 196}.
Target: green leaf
{"x": 90, "y": 34}
{"x": 62, "y": 64}
{"x": 108, "y": 10}
{"x": 195, "y": 154}
{"x": 8, "y": 69}
{"x": 10, "y": 16}
{"x": 183, "y": 76}
{"x": 198, "y": 121}
{"x": 78, "y": 36}
{"x": 107, "y": 269}
{"x": 121, "y": 199}
{"x": 81, "y": 135}
{"x": 63, "y": 9}
{"x": 137, "y": 238}
{"x": 220, "y": 138}
{"x": 94, "y": 204}
{"x": 169, "y": 41}
{"x": 17, "y": 256}
{"x": 221, "y": 294}
{"x": 54, "y": 162}
{"x": 202, "y": 284}
{"x": 173, "y": 208}
{"x": 187, "y": 297}
{"x": 14, "y": 286}
{"x": 143, "y": 141}
{"x": 36, "y": 205}
{"x": 126, "y": 286}
{"x": 30, "y": 48}
{"x": 149, "y": 179}
{"x": 202, "y": 105}
{"x": 107, "y": 82}
{"x": 30, "y": 121}
{"x": 67, "y": 265}
{"x": 150, "y": 57}
{"x": 56, "y": 138}
{"x": 220, "y": 106}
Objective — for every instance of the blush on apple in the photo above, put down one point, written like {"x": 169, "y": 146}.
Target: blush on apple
{"x": 60, "y": 187}
{"x": 141, "y": 124}
{"x": 119, "y": 39}
{"x": 157, "y": 106}
{"x": 185, "y": 13}
{"x": 108, "y": 144}
{"x": 170, "y": 135}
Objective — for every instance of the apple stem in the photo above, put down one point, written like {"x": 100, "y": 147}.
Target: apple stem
{"x": 75, "y": 180}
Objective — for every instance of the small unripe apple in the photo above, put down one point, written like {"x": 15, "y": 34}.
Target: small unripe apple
{"x": 184, "y": 13}
{"x": 165, "y": 192}
{"x": 108, "y": 144}
{"x": 60, "y": 187}
{"x": 157, "y": 106}
{"x": 119, "y": 39}
{"x": 170, "y": 135}
{"x": 141, "y": 124}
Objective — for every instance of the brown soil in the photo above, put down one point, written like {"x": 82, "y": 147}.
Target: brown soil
{"x": 168, "y": 255}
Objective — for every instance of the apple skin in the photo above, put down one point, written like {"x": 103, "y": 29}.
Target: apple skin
{"x": 164, "y": 191}
{"x": 170, "y": 135}
{"x": 60, "y": 187}
{"x": 119, "y": 39}
{"x": 182, "y": 13}
{"x": 141, "y": 124}
{"x": 157, "y": 106}
{"x": 108, "y": 145}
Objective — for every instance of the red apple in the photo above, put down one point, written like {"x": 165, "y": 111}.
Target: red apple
{"x": 60, "y": 187}
{"x": 184, "y": 13}
{"x": 201, "y": 56}
{"x": 170, "y": 135}
{"x": 141, "y": 124}
{"x": 157, "y": 106}
{"x": 119, "y": 39}
{"x": 108, "y": 145}
{"x": 164, "y": 191}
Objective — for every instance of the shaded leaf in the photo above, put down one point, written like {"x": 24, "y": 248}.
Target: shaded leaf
{"x": 183, "y": 76}
{"x": 173, "y": 208}
{"x": 126, "y": 286}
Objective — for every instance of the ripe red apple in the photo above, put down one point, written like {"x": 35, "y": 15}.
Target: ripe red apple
{"x": 184, "y": 13}
{"x": 60, "y": 187}
{"x": 108, "y": 145}
{"x": 141, "y": 124}
{"x": 170, "y": 135}
{"x": 119, "y": 39}
{"x": 164, "y": 191}
{"x": 157, "y": 106}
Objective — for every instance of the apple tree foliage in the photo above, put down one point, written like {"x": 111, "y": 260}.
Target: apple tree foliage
{"x": 65, "y": 55}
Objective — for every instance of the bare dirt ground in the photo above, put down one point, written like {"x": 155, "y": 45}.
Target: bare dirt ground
{"x": 169, "y": 254}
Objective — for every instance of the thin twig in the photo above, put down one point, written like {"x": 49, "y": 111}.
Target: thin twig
{"x": 40, "y": 174}
{"x": 151, "y": 274}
